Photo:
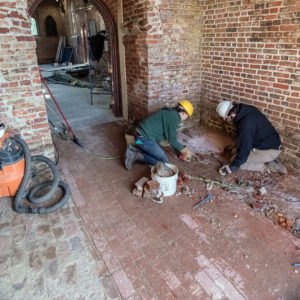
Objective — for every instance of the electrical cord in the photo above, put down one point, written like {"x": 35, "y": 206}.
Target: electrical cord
{"x": 214, "y": 181}
{"x": 101, "y": 157}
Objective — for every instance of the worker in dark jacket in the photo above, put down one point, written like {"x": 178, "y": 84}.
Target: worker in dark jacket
{"x": 258, "y": 145}
{"x": 159, "y": 126}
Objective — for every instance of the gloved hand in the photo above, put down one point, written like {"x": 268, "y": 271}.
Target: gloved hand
{"x": 225, "y": 170}
{"x": 186, "y": 154}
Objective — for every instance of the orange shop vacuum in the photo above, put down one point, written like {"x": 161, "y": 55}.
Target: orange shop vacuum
{"x": 16, "y": 176}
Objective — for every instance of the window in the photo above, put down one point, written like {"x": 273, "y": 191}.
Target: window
{"x": 34, "y": 30}
{"x": 50, "y": 26}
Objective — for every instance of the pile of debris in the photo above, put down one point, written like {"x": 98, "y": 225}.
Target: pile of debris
{"x": 259, "y": 193}
{"x": 284, "y": 221}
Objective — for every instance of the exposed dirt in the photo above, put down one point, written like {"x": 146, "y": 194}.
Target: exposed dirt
{"x": 271, "y": 194}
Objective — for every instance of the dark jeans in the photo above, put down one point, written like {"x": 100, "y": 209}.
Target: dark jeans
{"x": 151, "y": 150}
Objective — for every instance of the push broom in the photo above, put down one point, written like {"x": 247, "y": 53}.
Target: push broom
{"x": 75, "y": 139}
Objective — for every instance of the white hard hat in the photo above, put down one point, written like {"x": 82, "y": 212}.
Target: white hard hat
{"x": 223, "y": 108}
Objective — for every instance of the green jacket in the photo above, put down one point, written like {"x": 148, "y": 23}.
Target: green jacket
{"x": 162, "y": 125}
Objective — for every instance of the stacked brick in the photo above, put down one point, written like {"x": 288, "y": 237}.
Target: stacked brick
{"x": 251, "y": 53}
{"x": 22, "y": 106}
{"x": 148, "y": 189}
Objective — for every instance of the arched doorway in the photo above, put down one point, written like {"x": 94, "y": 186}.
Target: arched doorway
{"x": 113, "y": 38}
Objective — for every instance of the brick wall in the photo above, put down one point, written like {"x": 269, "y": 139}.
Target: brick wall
{"x": 22, "y": 106}
{"x": 175, "y": 60}
{"x": 251, "y": 53}
{"x": 136, "y": 55}
{"x": 162, "y": 44}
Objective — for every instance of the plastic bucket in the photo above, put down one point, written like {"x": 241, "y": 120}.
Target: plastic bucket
{"x": 167, "y": 184}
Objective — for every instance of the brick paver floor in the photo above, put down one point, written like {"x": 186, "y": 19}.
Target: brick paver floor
{"x": 109, "y": 243}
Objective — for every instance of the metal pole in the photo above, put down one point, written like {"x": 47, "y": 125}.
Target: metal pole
{"x": 90, "y": 79}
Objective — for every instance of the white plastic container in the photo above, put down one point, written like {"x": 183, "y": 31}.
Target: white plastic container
{"x": 167, "y": 184}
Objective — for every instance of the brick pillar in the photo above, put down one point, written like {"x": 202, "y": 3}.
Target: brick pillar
{"x": 22, "y": 105}
{"x": 162, "y": 45}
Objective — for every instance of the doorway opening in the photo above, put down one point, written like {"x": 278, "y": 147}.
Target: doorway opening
{"x": 77, "y": 49}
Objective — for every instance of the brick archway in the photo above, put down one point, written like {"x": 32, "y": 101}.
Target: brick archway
{"x": 112, "y": 28}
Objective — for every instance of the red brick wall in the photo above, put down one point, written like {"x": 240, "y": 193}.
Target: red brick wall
{"x": 251, "y": 53}
{"x": 136, "y": 55}
{"x": 162, "y": 44}
{"x": 22, "y": 106}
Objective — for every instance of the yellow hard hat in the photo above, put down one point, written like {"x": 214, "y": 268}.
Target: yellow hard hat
{"x": 188, "y": 106}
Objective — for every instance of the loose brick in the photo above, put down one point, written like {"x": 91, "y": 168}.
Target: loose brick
{"x": 139, "y": 185}
{"x": 152, "y": 185}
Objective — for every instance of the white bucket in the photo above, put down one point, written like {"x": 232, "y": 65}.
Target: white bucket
{"x": 167, "y": 184}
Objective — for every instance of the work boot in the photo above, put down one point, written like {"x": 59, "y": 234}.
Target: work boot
{"x": 276, "y": 166}
{"x": 133, "y": 155}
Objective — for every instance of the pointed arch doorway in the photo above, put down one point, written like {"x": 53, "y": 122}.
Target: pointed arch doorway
{"x": 113, "y": 38}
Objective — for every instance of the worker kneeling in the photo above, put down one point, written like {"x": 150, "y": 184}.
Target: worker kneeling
{"x": 159, "y": 126}
{"x": 258, "y": 145}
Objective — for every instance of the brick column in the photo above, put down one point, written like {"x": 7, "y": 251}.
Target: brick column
{"x": 162, "y": 45}
{"x": 22, "y": 105}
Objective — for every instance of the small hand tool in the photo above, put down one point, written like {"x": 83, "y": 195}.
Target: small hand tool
{"x": 204, "y": 200}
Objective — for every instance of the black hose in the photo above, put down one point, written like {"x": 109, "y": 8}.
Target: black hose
{"x": 62, "y": 201}
{"x": 56, "y": 178}
{"x": 27, "y": 175}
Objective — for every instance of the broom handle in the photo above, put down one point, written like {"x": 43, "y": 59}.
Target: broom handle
{"x": 69, "y": 127}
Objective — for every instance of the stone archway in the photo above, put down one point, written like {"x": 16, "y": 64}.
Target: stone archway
{"x": 112, "y": 28}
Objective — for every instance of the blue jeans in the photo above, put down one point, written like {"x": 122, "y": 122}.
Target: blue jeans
{"x": 151, "y": 150}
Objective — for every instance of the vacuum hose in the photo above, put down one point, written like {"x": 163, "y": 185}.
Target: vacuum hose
{"x": 27, "y": 176}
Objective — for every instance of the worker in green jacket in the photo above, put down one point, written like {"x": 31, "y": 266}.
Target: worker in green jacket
{"x": 161, "y": 125}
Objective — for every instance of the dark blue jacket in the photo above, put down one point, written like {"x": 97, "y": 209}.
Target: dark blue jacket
{"x": 254, "y": 131}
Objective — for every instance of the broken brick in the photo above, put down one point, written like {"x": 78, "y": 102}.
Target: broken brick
{"x": 281, "y": 220}
{"x": 147, "y": 194}
{"x": 137, "y": 192}
{"x": 276, "y": 217}
{"x": 186, "y": 178}
{"x": 257, "y": 206}
{"x": 283, "y": 224}
{"x": 258, "y": 196}
{"x": 181, "y": 156}
{"x": 152, "y": 185}
{"x": 179, "y": 181}
{"x": 139, "y": 185}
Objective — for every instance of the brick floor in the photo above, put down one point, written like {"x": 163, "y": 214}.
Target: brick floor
{"x": 109, "y": 243}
